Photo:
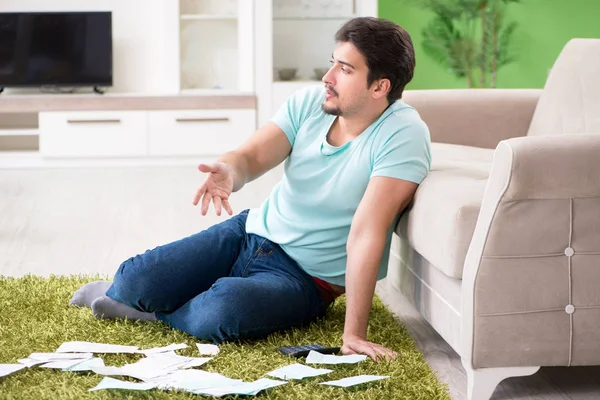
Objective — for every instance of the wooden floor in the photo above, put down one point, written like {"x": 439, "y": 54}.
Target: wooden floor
{"x": 67, "y": 221}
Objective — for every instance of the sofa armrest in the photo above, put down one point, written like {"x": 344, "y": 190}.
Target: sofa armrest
{"x": 475, "y": 117}
{"x": 554, "y": 166}
{"x": 534, "y": 252}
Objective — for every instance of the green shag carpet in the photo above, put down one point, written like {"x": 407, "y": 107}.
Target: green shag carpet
{"x": 35, "y": 317}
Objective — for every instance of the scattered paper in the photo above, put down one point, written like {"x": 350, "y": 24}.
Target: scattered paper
{"x": 207, "y": 349}
{"x": 108, "y": 370}
{"x": 62, "y": 364}
{"x": 354, "y": 380}
{"x": 89, "y": 347}
{"x": 153, "y": 366}
{"x": 48, "y": 357}
{"x": 158, "y": 362}
{"x": 139, "y": 370}
{"x": 246, "y": 388}
{"x": 110, "y": 383}
{"x": 7, "y": 369}
{"x": 164, "y": 349}
{"x": 187, "y": 362}
{"x": 318, "y": 358}
{"x": 192, "y": 380}
{"x": 86, "y": 365}
{"x": 196, "y": 362}
{"x": 162, "y": 368}
{"x": 297, "y": 371}
{"x": 29, "y": 362}
{"x": 75, "y": 365}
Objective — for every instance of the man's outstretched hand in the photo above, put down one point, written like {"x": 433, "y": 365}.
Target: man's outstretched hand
{"x": 358, "y": 345}
{"x": 217, "y": 187}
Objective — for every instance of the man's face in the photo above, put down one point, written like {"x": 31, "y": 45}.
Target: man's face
{"x": 346, "y": 82}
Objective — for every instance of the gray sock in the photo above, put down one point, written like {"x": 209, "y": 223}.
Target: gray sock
{"x": 106, "y": 308}
{"x": 89, "y": 292}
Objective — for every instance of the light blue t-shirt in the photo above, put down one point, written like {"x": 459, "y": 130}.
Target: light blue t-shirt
{"x": 309, "y": 212}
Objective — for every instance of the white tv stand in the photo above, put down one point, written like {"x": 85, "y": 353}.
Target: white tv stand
{"x": 88, "y": 129}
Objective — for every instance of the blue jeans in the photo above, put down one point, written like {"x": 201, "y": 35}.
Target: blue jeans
{"x": 221, "y": 284}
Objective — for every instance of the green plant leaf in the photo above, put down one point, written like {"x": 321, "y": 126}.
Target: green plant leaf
{"x": 505, "y": 53}
{"x": 469, "y": 37}
{"x": 439, "y": 38}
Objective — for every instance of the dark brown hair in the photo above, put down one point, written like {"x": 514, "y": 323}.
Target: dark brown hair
{"x": 387, "y": 48}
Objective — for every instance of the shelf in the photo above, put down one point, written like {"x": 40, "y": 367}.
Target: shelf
{"x": 124, "y": 101}
{"x": 18, "y": 132}
{"x": 213, "y": 92}
{"x": 298, "y": 82}
{"x": 325, "y": 18}
{"x": 208, "y": 17}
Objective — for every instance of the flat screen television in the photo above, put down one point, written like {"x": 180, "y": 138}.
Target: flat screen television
{"x": 65, "y": 49}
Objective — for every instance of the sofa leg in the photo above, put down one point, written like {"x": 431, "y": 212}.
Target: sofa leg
{"x": 482, "y": 382}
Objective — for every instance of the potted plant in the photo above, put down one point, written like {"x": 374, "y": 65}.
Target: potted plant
{"x": 470, "y": 37}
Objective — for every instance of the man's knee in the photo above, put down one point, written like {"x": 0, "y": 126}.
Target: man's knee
{"x": 221, "y": 323}
{"x": 132, "y": 286}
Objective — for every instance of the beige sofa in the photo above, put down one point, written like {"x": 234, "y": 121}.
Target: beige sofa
{"x": 500, "y": 250}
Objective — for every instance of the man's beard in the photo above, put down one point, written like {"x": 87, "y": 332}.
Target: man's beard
{"x": 332, "y": 110}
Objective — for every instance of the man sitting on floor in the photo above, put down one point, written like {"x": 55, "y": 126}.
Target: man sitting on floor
{"x": 354, "y": 155}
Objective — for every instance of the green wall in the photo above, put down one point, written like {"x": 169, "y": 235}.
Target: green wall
{"x": 544, "y": 28}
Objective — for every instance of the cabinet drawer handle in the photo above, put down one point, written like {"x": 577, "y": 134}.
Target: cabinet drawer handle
{"x": 202, "y": 119}
{"x": 93, "y": 121}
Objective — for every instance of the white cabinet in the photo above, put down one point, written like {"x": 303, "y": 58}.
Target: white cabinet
{"x": 92, "y": 133}
{"x": 151, "y": 133}
{"x": 198, "y": 132}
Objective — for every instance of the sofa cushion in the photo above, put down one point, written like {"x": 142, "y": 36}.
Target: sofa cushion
{"x": 570, "y": 100}
{"x": 442, "y": 217}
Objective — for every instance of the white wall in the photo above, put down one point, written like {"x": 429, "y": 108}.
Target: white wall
{"x": 145, "y": 44}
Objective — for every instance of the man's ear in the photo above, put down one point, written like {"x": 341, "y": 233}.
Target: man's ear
{"x": 382, "y": 88}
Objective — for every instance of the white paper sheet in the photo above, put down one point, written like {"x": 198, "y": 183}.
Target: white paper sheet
{"x": 110, "y": 383}
{"x": 108, "y": 370}
{"x": 62, "y": 364}
{"x": 171, "y": 347}
{"x": 192, "y": 380}
{"x": 208, "y": 349}
{"x": 141, "y": 370}
{"x": 298, "y": 371}
{"x": 48, "y": 357}
{"x": 246, "y": 388}
{"x": 188, "y": 362}
{"x": 90, "y": 347}
{"x": 29, "y": 362}
{"x": 75, "y": 365}
{"x": 196, "y": 362}
{"x": 153, "y": 366}
{"x": 7, "y": 369}
{"x": 318, "y": 358}
{"x": 354, "y": 380}
{"x": 86, "y": 365}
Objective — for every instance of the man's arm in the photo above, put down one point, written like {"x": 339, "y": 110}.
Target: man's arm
{"x": 383, "y": 200}
{"x": 262, "y": 151}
